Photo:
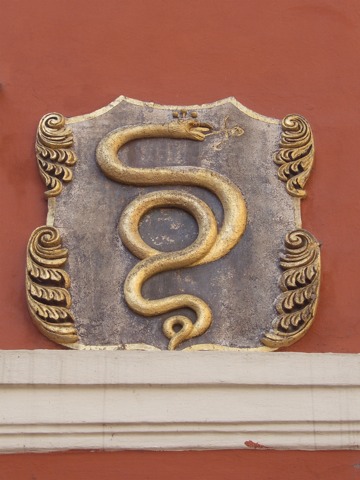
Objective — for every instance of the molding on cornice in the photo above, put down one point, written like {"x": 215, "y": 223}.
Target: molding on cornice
{"x": 60, "y": 400}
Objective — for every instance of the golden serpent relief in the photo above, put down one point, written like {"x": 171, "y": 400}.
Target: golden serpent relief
{"x": 209, "y": 245}
{"x": 173, "y": 230}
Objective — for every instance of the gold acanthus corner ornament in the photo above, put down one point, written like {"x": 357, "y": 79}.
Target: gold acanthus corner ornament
{"x": 54, "y": 154}
{"x": 47, "y": 283}
{"x": 296, "y": 154}
{"x": 300, "y": 283}
{"x": 47, "y": 286}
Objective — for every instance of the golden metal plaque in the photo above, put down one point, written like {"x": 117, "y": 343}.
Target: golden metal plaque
{"x": 173, "y": 228}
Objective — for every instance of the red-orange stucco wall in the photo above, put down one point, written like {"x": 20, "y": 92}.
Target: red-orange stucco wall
{"x": 217, "y": 465}
{"x": 276, "y": 57}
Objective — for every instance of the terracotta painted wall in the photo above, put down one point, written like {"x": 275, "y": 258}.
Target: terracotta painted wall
{"x": 218, "y": 465}
{"x": 275, "y": 56}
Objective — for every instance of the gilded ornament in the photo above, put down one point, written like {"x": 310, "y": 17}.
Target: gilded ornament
{"x": 296, "y": 154}
{"x": 300, "y": 284}
{"x": 210, "y": 244}
{"x": 47, "y": 286}
{"x": 54, "y": 153}
{"x": 129, "y": 291}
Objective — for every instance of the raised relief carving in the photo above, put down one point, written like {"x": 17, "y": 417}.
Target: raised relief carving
{"x": 296, "y": 154}
{"x": 129, "y": 292}
{"x": 210, "y": 244}
{"x": 300, "y": 284}
{"x": 47, "y": 286}
{"x": 47, "y": 283}
{"x": 54, "y": 153}
{"x": 226, "y": 132}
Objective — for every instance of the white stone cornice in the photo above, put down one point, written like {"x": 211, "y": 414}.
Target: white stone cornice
{"x": 56, "y": 400}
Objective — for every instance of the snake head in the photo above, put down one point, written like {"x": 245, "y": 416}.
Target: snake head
{"x": 190, "y": 129}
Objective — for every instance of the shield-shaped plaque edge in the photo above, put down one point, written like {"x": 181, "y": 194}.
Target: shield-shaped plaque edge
{"x": 48, "y": 284}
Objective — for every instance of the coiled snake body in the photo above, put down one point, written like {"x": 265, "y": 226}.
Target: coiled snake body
{"x": 210, "y": 244}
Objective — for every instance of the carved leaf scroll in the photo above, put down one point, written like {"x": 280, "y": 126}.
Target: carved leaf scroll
{"x": 300, "y": 283}
{"x": 296, "y": 154}
{"x": 53, "y": 152}
{"x": 47, "y": 286}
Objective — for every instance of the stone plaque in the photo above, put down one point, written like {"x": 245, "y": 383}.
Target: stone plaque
{"x": 173, "y": 228}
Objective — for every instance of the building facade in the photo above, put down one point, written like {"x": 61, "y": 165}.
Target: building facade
{"x": 274, "y": 57}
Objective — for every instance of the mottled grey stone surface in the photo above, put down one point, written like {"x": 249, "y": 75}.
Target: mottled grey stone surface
{"x": 240, "y": 288}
